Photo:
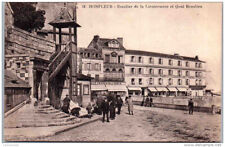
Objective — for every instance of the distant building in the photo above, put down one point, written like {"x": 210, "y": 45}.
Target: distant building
{"x": 113, "y": 54}
{"x": 157, "y": 74}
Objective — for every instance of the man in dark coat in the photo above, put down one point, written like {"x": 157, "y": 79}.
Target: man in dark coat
{"x": 151, "y": 101}
{"x": 105, "y": 110}
{"x": 119, "y": 104}
{"x": 147, "y": 102}
{"x": 66, "y": 104}
{"x": 190, "y": 106}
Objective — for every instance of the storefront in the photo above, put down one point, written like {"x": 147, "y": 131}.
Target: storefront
{"x": 172, "y": 91}
{"x": 181, "y": 91}
{"x": 152, "y": 91}
{"x": 162, "y": 91}
{"x": 120, "y": 90}
{"x": 134, "y": 91}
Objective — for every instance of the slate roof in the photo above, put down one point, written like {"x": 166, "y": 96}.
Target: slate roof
{"x": 64, "y": 19}
{"x": 12, "y": 81}
{"x": 99, "y": 43}
{"x": 155, "y": 54}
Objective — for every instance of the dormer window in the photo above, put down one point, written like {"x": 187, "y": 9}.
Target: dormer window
{"x": 113, "y": 44}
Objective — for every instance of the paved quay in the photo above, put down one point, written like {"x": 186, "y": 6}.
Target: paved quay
{"x": 148, "y": 125}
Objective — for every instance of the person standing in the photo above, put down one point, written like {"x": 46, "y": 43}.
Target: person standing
{"x": 66, "y": 104}
{"x": 119, "y": 104}
{"x": 190, "y": 106}
{"x": 130, "y": 105}
{"x": 151, "y": 101}
{"x": 105, "y": 110}
{"x": 147, "y": 102}
{"x": 112, "y": 109}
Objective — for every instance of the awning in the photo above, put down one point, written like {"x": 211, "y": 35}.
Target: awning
{"x": 152, "y": 89}
{"x": 181, "y": 89}
{"x": 172, "y": 88}
{"x": 161, "y": 89}
{"x": 98, "y": 87}
{"x": 116, "y": 87}
{"x": 134, "y": 88}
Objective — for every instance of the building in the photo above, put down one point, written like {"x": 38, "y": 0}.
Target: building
{"x": 157, "y": 74}
{"x": 16, "y": 91}
{"x": 113, "y": 53}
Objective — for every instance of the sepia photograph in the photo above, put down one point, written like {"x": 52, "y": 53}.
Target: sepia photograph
{"x": 122, "y": 72}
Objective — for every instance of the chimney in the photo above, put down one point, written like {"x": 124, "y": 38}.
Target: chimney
{"x": 196, "y": 57}
{"x": 96, "y": 37}
{"x": 120, "y": 39}
{"x": 176, "y": 54}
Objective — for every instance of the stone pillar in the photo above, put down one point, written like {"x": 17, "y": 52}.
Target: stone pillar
{"x": 44, "y": 82}
{"x": 34, "y": 85}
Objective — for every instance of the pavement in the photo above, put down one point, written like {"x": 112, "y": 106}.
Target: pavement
{"x": 33, "y": 133}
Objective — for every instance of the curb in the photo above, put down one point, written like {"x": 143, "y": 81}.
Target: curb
{"x": 77, "y": 125}
{"x": 15, "y": 108}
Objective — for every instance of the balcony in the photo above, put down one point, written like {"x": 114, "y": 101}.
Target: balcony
{"x": 113, "y": 65}
{"x": 114, "y": 76}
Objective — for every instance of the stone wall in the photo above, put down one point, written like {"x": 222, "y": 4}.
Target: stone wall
{"x": 21, "y": 42}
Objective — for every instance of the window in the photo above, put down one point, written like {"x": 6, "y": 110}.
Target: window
{"x": 179, "y": 63}
{"x": 160, "y": 81}
{"x": 187, "y": 82}
{"x": 86, "y": 89}
{"x": 170, "y": 72}
{"x": 151, "y": 81}
{"x": 88, "y": 66}
{"x": 196, "y": 82}
{"x": 196, "y": 74}
{"x": 120, "y": 59}
{"x": 132, "y": 59}
{"x": 140, "y": 81}
{"x": 132, "y": 71}
{"x": 88, "y": 55}
{"x": 170, "y": 81}
{"x": 179, "y": 82}
{"x": 18, "y": 65}
{"x": 179, "y": 73}
{"x": 107, "y": 70}
{"x": 170, "y": 62}
{"x": 151, "y": 60}
{"x": 187, "y": 64}
{"x": 160, "y": 61}
{"x": 96, "y": 55}
{"x": 140, "y": 59}
{"x": 139, "y": 70}
{"x": 113, "y": 70}
{"x": 196, "y": 65}
{"x": 187, "y": 73}
{"x": 200, "y": 82}
{"x": 160, "y": 72}
{"x": 107, "y": 58}
{"x": 120, "y": 70}
{"x": 132, "y": 81}
{"x": 96, "y": 66}
{"x": 200, "y": 65}
{"x": 151, "y": 71}
{"x": 97, "y": 77}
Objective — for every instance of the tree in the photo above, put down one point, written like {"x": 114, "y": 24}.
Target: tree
{"x": 26, "y": 16}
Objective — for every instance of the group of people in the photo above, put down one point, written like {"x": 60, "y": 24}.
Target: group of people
{"x": 147, "y": 102}
{"x": 109, "y": 105}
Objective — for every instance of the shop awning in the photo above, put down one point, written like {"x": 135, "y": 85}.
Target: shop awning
{"x": 181, "y": 89}
{"x": 172, "y": 88}
{"x": 161, "y": 89}
{"x": 134, "y": 88}
{"x": 98, "y": 88}
{"x": 116, "y": 87}
{"x": 152, "y": 89}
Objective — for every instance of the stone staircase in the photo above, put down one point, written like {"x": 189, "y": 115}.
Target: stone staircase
{"x": 39, "y": 116}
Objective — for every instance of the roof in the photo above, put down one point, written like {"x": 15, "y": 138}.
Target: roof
{"x": 82, "y": 77}
{"x": 99, "y": 43}
{"x": 12, "y": 81}
{"x": 146, "y": 53}
{"x": 64, "y": 19}
{"x": 48, "y": 31}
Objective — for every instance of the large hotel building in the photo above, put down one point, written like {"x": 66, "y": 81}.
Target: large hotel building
{"x": 138, "y": 73}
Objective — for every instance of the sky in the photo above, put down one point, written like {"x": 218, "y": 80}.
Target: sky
{"x": 175, "y": 29}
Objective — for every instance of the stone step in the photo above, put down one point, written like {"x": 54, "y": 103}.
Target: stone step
{"x": 44, "y": 106}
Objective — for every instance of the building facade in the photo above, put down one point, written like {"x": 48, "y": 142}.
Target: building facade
{"x": 157, "y": 74}
{"x": 113, "y": 55}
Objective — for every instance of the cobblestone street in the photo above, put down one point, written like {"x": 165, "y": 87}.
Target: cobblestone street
{"x": 149, "y": 125}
